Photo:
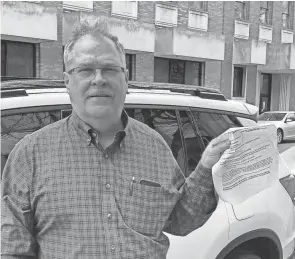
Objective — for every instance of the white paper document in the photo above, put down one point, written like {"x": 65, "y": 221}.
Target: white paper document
{"x": 249, "y": 166}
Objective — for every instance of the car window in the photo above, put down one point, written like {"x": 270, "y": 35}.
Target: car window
{"x": 291, "y": 116}
{"x": 164, "y": 122}
{"x": 271, "y": 116}
{"x": 212, "y": 125}
{"x": 193, "y": 146}
{"x": 15, "y": 127}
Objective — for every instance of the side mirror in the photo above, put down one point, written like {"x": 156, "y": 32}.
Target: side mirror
{"x": 288, "y": 120}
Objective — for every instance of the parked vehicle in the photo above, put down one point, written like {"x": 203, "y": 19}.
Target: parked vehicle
{"x": 188, "y": 117}
{"x": 283, "y": 120}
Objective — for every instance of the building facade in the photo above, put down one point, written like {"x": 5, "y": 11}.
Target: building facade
{"x": 245, "y": 49}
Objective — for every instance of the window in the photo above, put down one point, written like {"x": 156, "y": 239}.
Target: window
{"x": 291, "y": 116}
{"x": 15, "y": 127}
{"x": 287, "y": 15}
{"x": 130, "y": 65}
{"x": 239, "y": 82}
{"x": 63, "y": 62}
{"x": 186, "y": 145}
{"x": 265, "y": 12}
{"x": 212, "y": 125}
{"x": 179, "y": 71}
{"x": 18, "y": 59}
{"x": 241, "y": 10}
{"x": 192, "y": 141}
{"x": 199, "y": 5}
{"x": 164, "y": 122}
{"x": 176, "y": 71}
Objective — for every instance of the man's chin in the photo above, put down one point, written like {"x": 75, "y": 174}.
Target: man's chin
{"x": 100, "y": 111}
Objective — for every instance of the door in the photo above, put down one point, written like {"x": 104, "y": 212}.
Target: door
{"x": 265, "y": 93}
{"x": 290, "y": 126}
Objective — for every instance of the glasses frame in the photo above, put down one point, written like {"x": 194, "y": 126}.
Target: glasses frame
{"x": 95, "y": 69}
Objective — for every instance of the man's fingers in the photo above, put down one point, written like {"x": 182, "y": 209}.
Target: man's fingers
{"x": 221, "y": 146}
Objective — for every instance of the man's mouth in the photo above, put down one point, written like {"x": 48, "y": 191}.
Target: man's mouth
{"x": 99, "y": 95}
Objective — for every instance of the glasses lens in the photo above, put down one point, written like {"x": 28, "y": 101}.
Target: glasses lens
{"x": 85, "y": 72}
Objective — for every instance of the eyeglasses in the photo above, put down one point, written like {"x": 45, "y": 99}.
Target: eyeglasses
{"x": 90, "y": 72}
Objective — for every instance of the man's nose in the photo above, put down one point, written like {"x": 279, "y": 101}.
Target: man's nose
{"x": 98, "y": 76}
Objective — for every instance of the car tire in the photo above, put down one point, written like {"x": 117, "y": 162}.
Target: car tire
{"x": 242, "y": 254}
{"x": 280, "y": 136}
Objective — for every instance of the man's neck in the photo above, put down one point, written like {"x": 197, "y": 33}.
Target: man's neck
{"x": 106, "y": 129}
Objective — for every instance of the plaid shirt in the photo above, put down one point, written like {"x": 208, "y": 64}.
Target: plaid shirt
{"x": 64, "y": 196}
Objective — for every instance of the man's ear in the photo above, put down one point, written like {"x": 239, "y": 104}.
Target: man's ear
{"x": 67, "y": 80}
{"x": 126, "y": 75}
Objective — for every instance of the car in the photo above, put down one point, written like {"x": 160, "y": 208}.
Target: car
{"x": 289, "y": 158}
{"x": 188, "y": 118}
{"x": 284, "y": 122}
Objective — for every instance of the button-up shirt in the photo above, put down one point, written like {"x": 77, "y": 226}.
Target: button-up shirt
{"x": 65, "y": 196}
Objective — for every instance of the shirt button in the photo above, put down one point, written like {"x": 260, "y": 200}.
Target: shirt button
{"x": 113, "y": 248}
{"x": 109, "y": 216}
{"x": 106, "y": 155}
{"x": 108, "y": 186}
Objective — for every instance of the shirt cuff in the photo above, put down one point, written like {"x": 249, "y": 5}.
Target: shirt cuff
{"x": 199, "y": 197}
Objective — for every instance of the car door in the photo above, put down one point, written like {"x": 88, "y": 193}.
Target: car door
{"x": 290, "y": 126}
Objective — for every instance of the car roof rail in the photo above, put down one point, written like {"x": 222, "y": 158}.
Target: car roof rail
{"x": 15, "y": 83}
{"x": 10, "y": 78}
{"x": 35, "y": 83}
{"x": 200, "y": 91}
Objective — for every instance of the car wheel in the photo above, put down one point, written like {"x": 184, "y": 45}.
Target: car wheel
{"x": 279, "y": 136}
{"x": 242, "y": 254}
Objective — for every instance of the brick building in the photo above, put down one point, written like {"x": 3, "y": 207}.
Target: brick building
{"x": 245, "y": 49}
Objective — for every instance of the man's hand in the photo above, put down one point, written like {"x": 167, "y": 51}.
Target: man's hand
{"x": 214, "y": 150}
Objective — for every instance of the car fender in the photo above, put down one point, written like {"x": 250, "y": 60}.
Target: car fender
{"x": 205, "y": 242}
{"x": 249, "y": 236}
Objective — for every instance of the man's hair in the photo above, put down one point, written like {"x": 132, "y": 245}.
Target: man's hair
{"x": 98, "y": 28}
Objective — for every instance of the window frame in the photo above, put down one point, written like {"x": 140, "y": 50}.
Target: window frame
{"x": 245, "y": 10}
{"x": 289, "y": 12}
{"x": 5, "y": 42}
{"x": 269, "y": 10}
{"x": 244, "y": 80}
{"x": 203, "y": 6}
{"x": 132, "y": 65}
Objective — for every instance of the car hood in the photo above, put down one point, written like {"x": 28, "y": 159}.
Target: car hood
{"x": 276, "y": 123}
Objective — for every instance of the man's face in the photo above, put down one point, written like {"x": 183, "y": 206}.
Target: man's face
{"x": 102, "y": 95}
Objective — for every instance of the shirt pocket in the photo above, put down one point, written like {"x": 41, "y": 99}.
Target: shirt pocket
{"x": 147, "y": 209}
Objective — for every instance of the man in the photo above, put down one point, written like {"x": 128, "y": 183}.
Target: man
{"x": 99, "y": 184}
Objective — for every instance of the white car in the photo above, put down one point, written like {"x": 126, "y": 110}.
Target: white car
{"x": 188, "y": 117}
{"x": 283, "y": 120}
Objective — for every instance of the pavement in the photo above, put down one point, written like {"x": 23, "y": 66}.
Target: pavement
{"x": 286, "y": 145}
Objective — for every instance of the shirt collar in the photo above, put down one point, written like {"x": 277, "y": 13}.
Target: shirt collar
{"x": 86, "y": 131}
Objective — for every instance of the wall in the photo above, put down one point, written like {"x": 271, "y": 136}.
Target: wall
{"x": 50, "y": 60}
{"x": 213, "y": 74}
{"x": 227, "y": 68}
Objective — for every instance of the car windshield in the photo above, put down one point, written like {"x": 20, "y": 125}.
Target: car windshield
{"x": 271, "y": 116}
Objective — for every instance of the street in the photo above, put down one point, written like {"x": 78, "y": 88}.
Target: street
{"x": 286, "y": 145}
